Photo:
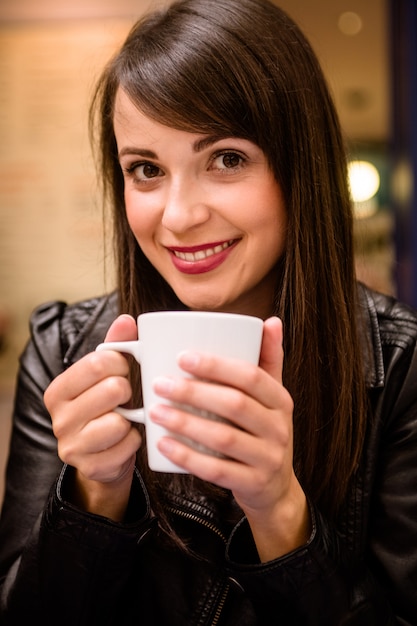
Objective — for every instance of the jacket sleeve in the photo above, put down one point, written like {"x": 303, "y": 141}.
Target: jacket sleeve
{"x": 321, "y": 584}
{"x": 76, "y": 566}
{"x": 38, "y": 528}
{"x": 315, "y": 585}
{"x": 33, "y": 463}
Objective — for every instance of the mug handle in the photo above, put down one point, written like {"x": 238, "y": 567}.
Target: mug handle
{"x": 131, "y": 347}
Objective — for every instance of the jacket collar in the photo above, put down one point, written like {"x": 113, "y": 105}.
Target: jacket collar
{"x": 372, "y": 345}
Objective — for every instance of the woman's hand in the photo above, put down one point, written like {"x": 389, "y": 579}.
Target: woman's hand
{"x": 100, "y": 444}
{"x": 257, "y": 440}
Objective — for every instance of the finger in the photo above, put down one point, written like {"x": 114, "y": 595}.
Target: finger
{"x": 249, "y": 379}
{"x": 94, "y": 367}
{"x": 108, "y": 465}
{"x": 84, "y": 374}
{"x": 240, "y": 374}
{"x": 122, "y": 329}
{"x": 219, "y": 436}
{"x": 73, "y": 415}
{"x": 225, "y": 473}
{"x": 212, "y": 399}
{"x": 99, "y": 434}
{"x": 272, "y": 354}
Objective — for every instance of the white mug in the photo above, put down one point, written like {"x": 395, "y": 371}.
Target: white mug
{"x": 163, "y": 336}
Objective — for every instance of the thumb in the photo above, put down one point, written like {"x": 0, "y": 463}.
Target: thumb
{"x": 122, "y": 329}
{"x": 272, "y": 354}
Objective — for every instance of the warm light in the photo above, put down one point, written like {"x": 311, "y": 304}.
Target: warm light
{"x": 364, "y": 180}
{"x": 402, "y": 182}
{"x": 350, "y": 23}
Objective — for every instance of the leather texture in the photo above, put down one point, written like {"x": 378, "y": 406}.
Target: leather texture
{"x": 60, "y": 565}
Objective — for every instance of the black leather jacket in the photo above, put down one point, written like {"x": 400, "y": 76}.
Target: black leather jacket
{"x": 59, "y": 565}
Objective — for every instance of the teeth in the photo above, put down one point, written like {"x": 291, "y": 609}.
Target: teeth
{"x": 202, "y": 254}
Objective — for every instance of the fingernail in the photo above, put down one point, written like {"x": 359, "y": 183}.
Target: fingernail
{"x": 160, "y": 414}
{"x": 166, "y": 446}
{"x": 162, "y": 384}
{"x": 188, "y": 359}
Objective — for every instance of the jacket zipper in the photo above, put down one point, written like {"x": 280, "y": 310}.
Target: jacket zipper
{"x": 218, "y": 532}
{"x": 199, "y": 520}
{"x": 220, "y": 605}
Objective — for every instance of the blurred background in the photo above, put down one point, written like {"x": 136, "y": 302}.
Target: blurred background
{"x": 51, "y": 230}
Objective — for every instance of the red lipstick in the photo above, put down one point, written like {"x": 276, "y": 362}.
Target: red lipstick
{"x": 202, "y": 258}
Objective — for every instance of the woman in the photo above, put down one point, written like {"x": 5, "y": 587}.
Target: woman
{"x": 223, "y": 163}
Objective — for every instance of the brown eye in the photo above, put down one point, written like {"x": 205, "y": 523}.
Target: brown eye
{"x": 228, "y": 160}
{"x": 231, "y": 160}
{"x": 147, "y": 170}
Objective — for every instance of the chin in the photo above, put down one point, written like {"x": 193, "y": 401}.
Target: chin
{"x": 205, "y": 304}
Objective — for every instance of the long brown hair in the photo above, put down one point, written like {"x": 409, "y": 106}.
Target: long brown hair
{"x": 243, "y": 68}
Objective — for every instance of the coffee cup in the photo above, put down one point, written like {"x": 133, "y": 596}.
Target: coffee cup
{"x": 163, "y": 336}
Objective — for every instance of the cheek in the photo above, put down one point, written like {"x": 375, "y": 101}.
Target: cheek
{"x": 270, "y": 221}
{"x": 270, "y": 235}
{"x": 139, "y": 218}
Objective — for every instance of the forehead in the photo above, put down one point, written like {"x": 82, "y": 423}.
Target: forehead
{"x": 132, "y": 126}
{"x": 125, "y": 109}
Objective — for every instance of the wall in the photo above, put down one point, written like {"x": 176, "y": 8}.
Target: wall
{"x": 51, "y": 235}
{"x": 51, "y": 231}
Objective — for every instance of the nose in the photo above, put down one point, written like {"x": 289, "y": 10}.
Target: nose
{"x": 185, "y": 206}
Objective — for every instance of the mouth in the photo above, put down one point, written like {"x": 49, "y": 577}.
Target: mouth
{"x": 203, "y": 258}
{"x": 201, "y": 252}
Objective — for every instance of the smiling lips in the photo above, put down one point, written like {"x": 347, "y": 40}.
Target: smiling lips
{"x": 201, "y": 259}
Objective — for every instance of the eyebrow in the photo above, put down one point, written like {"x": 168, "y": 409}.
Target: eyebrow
{"x": 205, "y": 142}
{"x": 198, "y": 146}
{"x": 143, "y": 152}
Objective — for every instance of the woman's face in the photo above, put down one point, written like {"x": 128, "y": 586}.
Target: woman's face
{"x": 205, "y": 210}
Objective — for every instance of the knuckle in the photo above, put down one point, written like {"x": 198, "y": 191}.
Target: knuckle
{"x": 53, "y": 393}
{"x": 282, "y": 436}
{"x": 253, "y": 376}
{"x": 288, "y": 402}
{"x": 117, "y": 389}
{"x": 59, "y": 426}
{"x": 286, "y": 438}
{"x": 98, "y": 363}
{"x": 227, "y": 440}
{"x": 135, "y": 440}
{"x": 105, "y": 361}
{"x": 95, "y": 467}
{"x": 48, "y": 397}
{"x": 276, "y": 459}
{"x": 57, "y": 429}
{"x": 121, "y": 425}
{"x": 91, "y": 468}
{"x": 237, "y": 403}
{"x": 261, "y": 481}
{"x": 217, "y": 473}
{"x": 66, "y": 452}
